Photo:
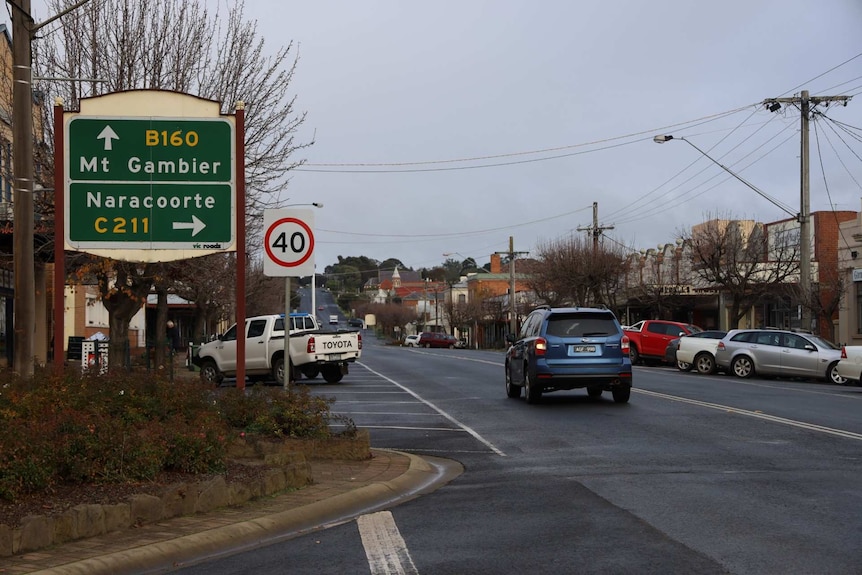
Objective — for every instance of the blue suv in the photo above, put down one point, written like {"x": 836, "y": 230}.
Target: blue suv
{"x": 569, "y": 348}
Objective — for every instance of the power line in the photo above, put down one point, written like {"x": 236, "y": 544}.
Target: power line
{"x": 690, "y": 123}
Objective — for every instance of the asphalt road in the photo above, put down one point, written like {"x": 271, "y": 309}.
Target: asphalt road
{"x": 697, "y": 474}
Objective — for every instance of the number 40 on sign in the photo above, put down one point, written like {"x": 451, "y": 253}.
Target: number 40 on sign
{"x": 288, "y": 242}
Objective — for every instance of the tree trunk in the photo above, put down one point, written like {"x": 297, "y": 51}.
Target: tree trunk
{"x": 160, "y": 338}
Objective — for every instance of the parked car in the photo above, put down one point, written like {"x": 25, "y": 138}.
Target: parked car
{"x": 436, "y": 339}
{"x": 649, "y": 338}
{"x": 744, "y": 352}
{"x": 411, "y": 340}
{"x": 850, "y": 365}
{"x": 569, "y": 348}
{"x": 698, "y": 352}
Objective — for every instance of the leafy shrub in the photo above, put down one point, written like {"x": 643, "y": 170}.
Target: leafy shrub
{"x": 124, "y": 426}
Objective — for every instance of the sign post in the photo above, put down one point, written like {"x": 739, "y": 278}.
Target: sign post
{"x": 288, "y": 242}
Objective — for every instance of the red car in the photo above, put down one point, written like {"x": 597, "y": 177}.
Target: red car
{"x": 434, "y": 339}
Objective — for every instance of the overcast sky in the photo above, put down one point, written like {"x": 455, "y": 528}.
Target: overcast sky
{"x": 449, "y": 126}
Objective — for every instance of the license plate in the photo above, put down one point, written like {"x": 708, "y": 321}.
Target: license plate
{"x": 583, "y": 349}
{"x": 334, "y": 356}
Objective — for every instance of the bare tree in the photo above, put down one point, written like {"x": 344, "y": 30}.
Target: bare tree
{"x": 179, "y": 45}
{"x": 571, "y": 271}
{"x": 825, "y": 300}
{"x": 743, "y": 259}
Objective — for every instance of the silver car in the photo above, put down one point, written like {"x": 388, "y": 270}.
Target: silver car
{"x": 744, "y": 352}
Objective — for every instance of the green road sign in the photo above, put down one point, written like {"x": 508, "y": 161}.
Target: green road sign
{"x": 150, "y": 183}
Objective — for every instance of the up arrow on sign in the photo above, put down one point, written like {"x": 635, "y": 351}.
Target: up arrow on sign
{"x": 109, "y": 135}
{"x": 195, "y": 225}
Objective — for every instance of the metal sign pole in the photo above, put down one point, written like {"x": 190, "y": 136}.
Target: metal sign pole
{"x": 286, "y": 377}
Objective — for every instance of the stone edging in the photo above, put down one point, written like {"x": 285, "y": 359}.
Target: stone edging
{"x": 290, "y": 470}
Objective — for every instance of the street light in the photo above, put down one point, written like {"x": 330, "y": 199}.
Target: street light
{"x": 801, "y": 216}
{"x": 661, "y": 139}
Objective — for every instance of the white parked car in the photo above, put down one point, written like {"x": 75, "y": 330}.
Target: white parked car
{"x": 850, "y": 364}
{"x": 411, "y": 340}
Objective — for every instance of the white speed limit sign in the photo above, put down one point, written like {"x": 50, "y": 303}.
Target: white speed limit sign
{"x": 288, "y": 242}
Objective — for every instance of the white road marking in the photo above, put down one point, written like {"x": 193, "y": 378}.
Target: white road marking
{"x": 384, "y": 547}
{"x": 756, "y": 414}
{"x": 478, "y": 437}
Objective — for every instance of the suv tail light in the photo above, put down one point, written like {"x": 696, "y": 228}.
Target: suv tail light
{"x": 720, "y": 346}
{"x": 310, "y": 347}
{"x": 541, "y": 346}
{"x": 624, "y": 344}
{"x": 843, "y": 352}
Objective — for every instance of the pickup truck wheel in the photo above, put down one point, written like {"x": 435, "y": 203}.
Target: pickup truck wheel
{"x": 621, "y": 394}
{"x": 278, "y": 371}
{"x": 634, "y": 356}
{"x": 594, "y": 391}
{"x": 332, "y": 374}
{"x": 310, "y": 372}
{"x": 210, "y": 373}
{"x": 512, "y": 390}
{"x": 833, "y": 375}
{"x": 532, "y": 393}
{"x": 742, "y": 367}
{"x": 705, "y": 363}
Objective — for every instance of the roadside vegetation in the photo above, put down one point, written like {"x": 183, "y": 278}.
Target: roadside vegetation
{"x": 127, "y": 427}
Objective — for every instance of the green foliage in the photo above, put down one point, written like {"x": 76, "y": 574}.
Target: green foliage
{"x": 73, "y": 429}
{"x": 279, "y": 413}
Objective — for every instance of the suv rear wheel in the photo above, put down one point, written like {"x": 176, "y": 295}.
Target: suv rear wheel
{"x": 532, "y": 392}
{"x": 622, "y": 394}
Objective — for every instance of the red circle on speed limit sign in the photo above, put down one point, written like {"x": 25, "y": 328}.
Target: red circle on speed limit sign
{"x": 289, "y": 242}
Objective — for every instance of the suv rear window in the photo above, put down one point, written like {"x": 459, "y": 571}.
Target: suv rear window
{"x": 581, "y": 324}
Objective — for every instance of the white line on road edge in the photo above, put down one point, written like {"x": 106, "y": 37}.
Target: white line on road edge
{"x": 384, "y": 547}
{"x": 758, "y": 415}
{"x": 478, "y": 437}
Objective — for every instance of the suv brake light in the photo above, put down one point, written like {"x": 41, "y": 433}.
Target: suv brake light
{"x": 541, "y": 346}
{"x": 720, "y": 345}
{"x": 624, "y": 344}
{"x": 843, "y": 352}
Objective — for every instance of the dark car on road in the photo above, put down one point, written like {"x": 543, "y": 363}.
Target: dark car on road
{"x": 569, "y": 348}
{"x": 436, "y": 339}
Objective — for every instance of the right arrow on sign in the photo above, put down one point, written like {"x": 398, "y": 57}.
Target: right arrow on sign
{"x": 195, "y": 225}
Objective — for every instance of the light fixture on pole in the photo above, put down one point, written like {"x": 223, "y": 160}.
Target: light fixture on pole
{"x": 801, "y": 217}
{"x": 661, "y": 139}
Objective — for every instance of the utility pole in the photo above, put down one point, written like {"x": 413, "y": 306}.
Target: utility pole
{"x": 22, "y": 164}
{"x": 595, "y": 230}
{"x": 805, "y": 102}
{"x": 23, "y": 257}
{"x": 513, "y": 312}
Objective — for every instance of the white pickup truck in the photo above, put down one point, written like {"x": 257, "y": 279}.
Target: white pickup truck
{"x": 697, "y": 350}
{"x": 313, "y": 351}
